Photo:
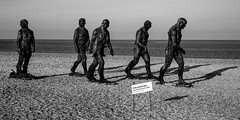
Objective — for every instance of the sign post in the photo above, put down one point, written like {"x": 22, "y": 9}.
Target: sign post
{"x": 141, "y": 88}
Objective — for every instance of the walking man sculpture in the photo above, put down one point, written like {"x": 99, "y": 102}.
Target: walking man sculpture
{"x": 81, "y": 42}
{"x": 140, "y": 50}
{"x": 174, "y": 51}
{"x": 25, "y": 48}
{"x": 99, "y": 40}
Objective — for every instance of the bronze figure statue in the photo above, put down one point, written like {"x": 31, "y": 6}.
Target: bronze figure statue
{"x": 140, "y": 50}
{"x": 25, "y": 48}
{"x": 81, "y": 42}
{"x": 174, "y": 51}
{"x": 99, "y": 40}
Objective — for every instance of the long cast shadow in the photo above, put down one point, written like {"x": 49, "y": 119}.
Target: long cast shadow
{"x": 208, "y": 76}
{"x": 122, "y": 70}
{"x": 142, "y": 76}
{"x": 188, "y": 68}
{"x": 211, "y": 75}
{"x": 116, "y": 67}
{"x": 169, "y": 71}
{"x": 176, "y": 98}
{"x": 143, "y": 66}
{"x": 47, "y": 76}
{"x": 124, "y": 76}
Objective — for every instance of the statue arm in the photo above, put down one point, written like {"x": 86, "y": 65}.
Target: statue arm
{"x": 88, "y": 41}
{"x": 138, "y": 40}
{"x": 33, "y": 42}
{"x": 174, "y": 38}
{"x": 174, "y": 41}
{"x": 109, "y": 45}
{"x": 75, "y": 40}
{"x": 93, "y": 39}
{"x": 19, "y": 39}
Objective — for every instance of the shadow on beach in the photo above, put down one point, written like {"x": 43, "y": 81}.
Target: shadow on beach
{"x": 116, "y": 67}
{"x": 186, "y": 69}
{"x": 208, "y": 76}
{"x": 122, "y": 70}
{"x": 143, "y": 75}
{"x": 176, "y": 98}
{"x": 47, "y": 76}
{"x": 211, "y": 75}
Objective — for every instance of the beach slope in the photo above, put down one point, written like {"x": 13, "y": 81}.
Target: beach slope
{"x": 56, "y": 95}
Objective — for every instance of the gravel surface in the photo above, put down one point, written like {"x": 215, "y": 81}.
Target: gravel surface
{"x": 215, "y": 94}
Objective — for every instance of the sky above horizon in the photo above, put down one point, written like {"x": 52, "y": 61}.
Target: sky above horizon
{"x": 57, "y": 19}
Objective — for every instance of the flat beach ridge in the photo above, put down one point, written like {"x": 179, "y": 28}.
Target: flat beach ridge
{"x": 215, "y": 93}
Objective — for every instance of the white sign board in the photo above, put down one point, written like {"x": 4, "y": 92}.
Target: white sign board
{"x": 142, "y": 87}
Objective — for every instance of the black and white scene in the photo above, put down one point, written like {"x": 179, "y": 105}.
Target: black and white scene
{"x": 119, "y": 60}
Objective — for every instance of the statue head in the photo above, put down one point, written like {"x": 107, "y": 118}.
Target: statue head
{"x": 24, "y": 23}
{"x": 105, "y": 24}
{"x": 182, "y": 22}
{"x": 147, "y": 24}
{"x": 82, "y": 22}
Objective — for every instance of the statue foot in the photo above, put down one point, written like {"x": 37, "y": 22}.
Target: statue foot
{"x": 160, "y": 82}
{"x": 27, "y": 76}
{"x": 77, "y": 74}
{"x": 184, "y": 84}
{"x": 104, "y": 81}
{"x": 130, "y": 76}
{"x": 14, "y": 74}
{"x": 91, "y": 78}
{"x": 72, "y": 73}
{"x": 151, "y": 77}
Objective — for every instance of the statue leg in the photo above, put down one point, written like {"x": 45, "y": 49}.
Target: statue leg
{"x": 76, "y": 63}
{"x": 102, "y": 52}
{"x": 131, "y": 66}
{"x": 26, "y": 62}
{"x": 19, "y": 65}
{"x": 84, "y": 64}
{"x": 168, "y": 61}
{"x": 101, "y": 69}
{"x": 91, "y": 69}
{"x": 146, "y": 59}
{"x": 180, "y": 62}
{"x": 136, "y": 51}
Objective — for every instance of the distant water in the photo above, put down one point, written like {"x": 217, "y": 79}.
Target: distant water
{"x": 222, "y": 49}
